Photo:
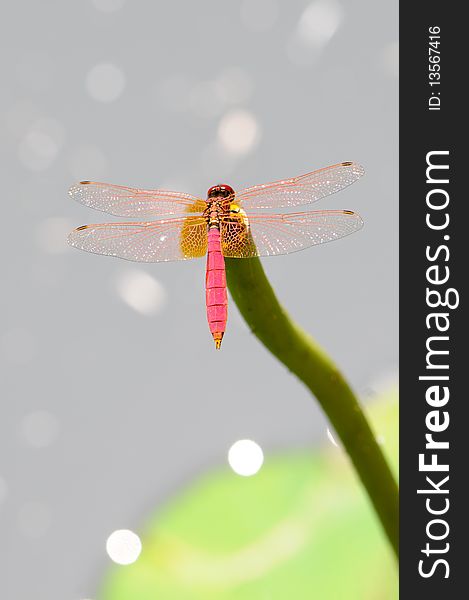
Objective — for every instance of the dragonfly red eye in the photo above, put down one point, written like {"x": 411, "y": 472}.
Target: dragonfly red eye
{"x": 222, "y": 189}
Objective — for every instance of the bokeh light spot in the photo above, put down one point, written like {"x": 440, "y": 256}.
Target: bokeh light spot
{"x": 141, "y": 291}
{"x": 317, "y": 25}
{"x": 238, "y": 132}
{"x": 40, "y": 144}
{"x": 39, "y": 429}
{"x": 105, "y": 82}
{"x": 123, "y": 546}
{"x": 245, "y": 457}
{"x": 319, "y": 22}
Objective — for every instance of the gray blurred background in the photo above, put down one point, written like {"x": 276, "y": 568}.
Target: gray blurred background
{"x": 105, "y": 405}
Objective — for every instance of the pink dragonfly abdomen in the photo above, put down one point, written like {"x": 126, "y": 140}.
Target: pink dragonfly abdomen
{"x": 215, "y": 287}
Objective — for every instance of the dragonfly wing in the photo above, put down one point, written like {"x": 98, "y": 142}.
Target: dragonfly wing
{"x": 132, "y": 202}
{"x": 154, "y": 241}
{"x": 304, "y": 189}
{"x": 268, "y": 235}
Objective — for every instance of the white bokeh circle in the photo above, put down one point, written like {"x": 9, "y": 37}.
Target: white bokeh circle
{"x": 105, "y": 82}
{"x": 238, "y": 132}
{"x": 245, "y": 457}
{"x": 123, "y": 546}
{"x": 141, "y": 291}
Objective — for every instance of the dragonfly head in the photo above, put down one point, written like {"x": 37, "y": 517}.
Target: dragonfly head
{"x": 221, "y": 189}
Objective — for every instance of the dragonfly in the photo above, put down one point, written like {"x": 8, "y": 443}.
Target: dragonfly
{"x": 218, "y": 227}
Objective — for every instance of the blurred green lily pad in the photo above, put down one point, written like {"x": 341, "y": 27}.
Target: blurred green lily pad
{"x": 301, "y": 528}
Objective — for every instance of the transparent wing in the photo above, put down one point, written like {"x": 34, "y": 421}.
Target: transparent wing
{"x": 300, "y": 190}
{"x": 154, "y": 241}
{"x": 132, "y": 202}
{"x": 267, "y": 235}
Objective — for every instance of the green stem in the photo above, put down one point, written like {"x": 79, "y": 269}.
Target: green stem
{"x": 267, "y": 319}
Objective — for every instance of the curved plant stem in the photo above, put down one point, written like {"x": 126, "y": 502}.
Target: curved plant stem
{"x": 267, "y": 319}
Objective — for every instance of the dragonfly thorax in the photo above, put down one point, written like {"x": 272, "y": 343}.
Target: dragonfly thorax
{"x": 219, "y": 199}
